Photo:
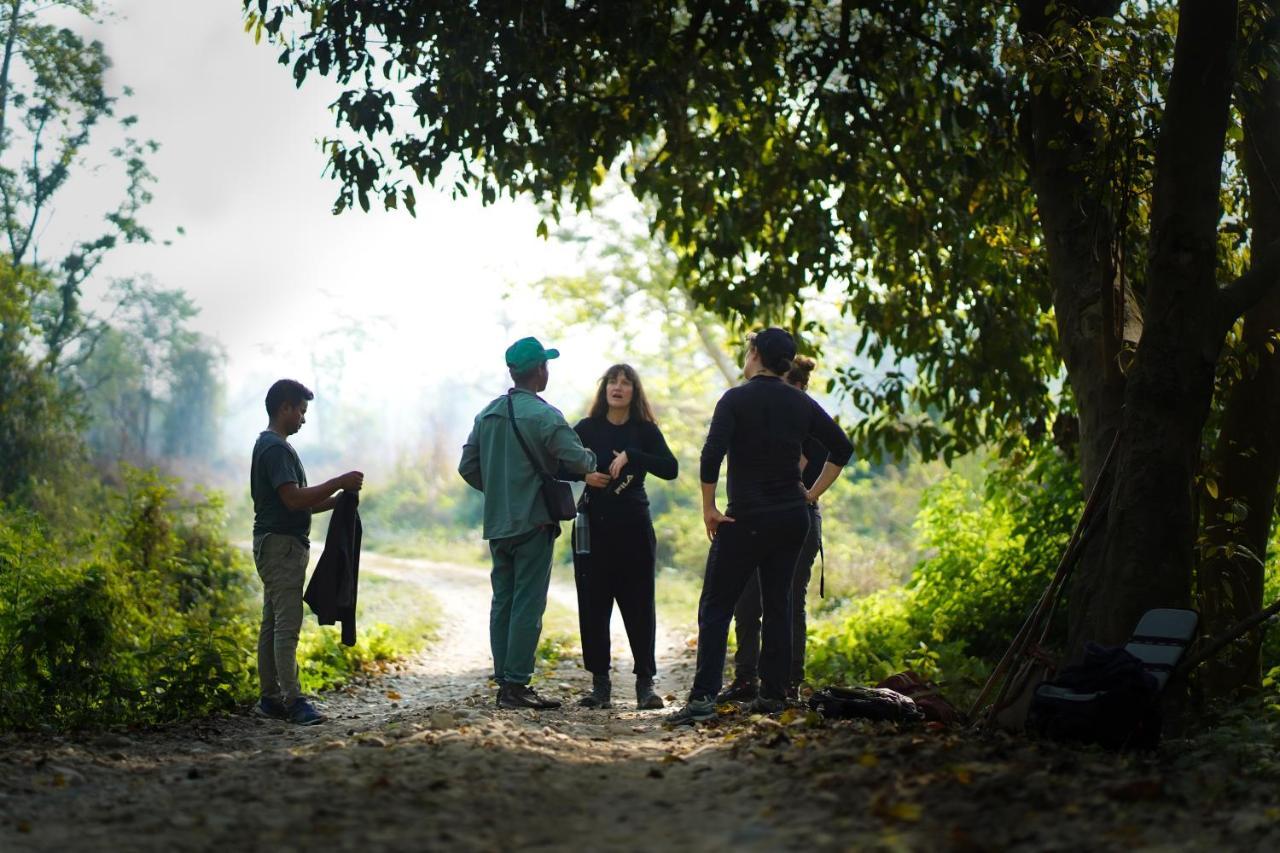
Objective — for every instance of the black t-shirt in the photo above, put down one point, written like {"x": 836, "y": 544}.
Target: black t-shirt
{"x": 762, "y": 426}
{"x": 646, "y": 450}
{"x": 275, "y": 463}
{"x": 815, "y": 459}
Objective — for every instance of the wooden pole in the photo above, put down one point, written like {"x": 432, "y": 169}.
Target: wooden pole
{"x": 1049, "y": 598}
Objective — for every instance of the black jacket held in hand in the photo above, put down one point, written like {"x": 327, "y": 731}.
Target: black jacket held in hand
{"x": 332, "y": 591}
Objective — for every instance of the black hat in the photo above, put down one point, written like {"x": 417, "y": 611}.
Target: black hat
{"x": 774, "y": 345}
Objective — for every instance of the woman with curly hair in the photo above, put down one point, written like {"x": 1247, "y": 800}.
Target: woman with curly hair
{"x": 622, "y": 561}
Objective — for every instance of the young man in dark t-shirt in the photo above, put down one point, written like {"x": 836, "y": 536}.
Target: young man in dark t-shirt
{"x": 283, "y": 504}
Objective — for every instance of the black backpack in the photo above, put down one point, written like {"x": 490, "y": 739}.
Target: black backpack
{"x": 1108, "y": 699}
{"x": 868, "y": 703}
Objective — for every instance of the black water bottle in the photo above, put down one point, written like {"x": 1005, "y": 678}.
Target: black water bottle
{"x": 582, "y": 529}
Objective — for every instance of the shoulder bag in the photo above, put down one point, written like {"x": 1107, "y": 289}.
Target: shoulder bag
{"x": 556, "y": 494}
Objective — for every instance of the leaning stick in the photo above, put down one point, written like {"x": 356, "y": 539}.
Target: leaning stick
{"x": 1229, "y": 636}
{"x": 1049, "y": 597}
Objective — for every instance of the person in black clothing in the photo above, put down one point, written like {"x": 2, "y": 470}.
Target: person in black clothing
{"x": 622, "y": 561}
{"x": 746, "y": 616}
{"x": 762, "y": 426}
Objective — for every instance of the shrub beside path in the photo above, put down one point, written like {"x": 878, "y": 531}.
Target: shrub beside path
{"x": 420, "y": 759}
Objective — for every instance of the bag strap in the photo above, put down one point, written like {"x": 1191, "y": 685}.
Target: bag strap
{"x": 511, "y": 411}
{"x": 822, "y": 571}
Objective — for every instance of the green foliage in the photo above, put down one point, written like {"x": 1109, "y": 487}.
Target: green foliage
{"x": 873, "y": 637}
{"x": 990, "y": 551}
{"x": 53, "y": 96}
{"x": 555, "y": 646}
{"x": 393, "y": 625}
{"x": 874, "y": 151}
{"x": 147, "y": 614}
{"x": 146, "y": 618}
{"x": 324, "y": 663}
{"x": 423, "y": 508}
{"x": 993, "y": 553}
{"x": 37, "y": 418}
{"x": 150, "y": 386}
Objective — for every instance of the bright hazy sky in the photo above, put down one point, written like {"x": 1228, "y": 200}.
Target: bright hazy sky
{"x": 274, "y": 273}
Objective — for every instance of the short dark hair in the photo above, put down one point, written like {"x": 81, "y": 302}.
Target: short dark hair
{"x": 776, "y": 348}
{"x": 288, "y": 391}
{"x": 522, "y": 377}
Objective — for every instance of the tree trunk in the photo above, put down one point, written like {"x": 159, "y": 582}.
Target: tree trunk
{"x": 1150, "y": 533}
{"x": 1247, "y": 456}
{"x": 1079, "y": 236}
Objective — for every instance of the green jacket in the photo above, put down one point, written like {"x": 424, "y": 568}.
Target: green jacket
{"x": 493, "y": 462}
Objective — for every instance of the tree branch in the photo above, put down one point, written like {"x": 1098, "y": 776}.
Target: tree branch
{"x": 10, "y": 40}
{"x": 1243, "y": 293}
{"x": 726, "y": 367}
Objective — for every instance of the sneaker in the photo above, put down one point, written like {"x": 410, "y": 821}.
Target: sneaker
{"x": 271, "y": 708}
{"x": 303, "y": 713}
{"x": 694, "y": 711}
{"x": 646, "y": 699}
{"x": 741, "y": 690}
{"x": 764, "y": 705}
{"x": 515, "y": 696}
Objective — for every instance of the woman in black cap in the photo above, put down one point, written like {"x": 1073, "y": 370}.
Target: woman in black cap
{"x": 762, "y": 426}
{"x": 622, "y": 559}
{"x": 746, "y": 616}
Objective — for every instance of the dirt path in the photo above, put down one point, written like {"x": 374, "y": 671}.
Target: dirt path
{"x": 421, "y": 760}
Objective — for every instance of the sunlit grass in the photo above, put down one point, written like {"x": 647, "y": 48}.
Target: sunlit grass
{"x": 394, "y": 620}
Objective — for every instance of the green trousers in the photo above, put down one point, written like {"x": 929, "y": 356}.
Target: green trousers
{"x": 521, "y": 574}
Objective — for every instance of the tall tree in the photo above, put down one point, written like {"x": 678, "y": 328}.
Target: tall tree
{"x": 150, "y": 375}
{"x": 53, "y": 95}
{"x": 1239, "y": 498}
{"x": 1006, "y": 196}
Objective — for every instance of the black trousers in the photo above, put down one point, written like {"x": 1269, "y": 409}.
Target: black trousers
{"x": 768, "y": 544}
{"x": 746, "y": 616}
{"x": 621, "y": 567}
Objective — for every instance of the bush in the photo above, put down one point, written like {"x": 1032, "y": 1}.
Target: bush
{"x": 873, "y": 637}
{"x": 993, "y": 552}
{"x": 147, "y": 618}
{"x": 325, "y": 664}
{"x": 990, "y": 552}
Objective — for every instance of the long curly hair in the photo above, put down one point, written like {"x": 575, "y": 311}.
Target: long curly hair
{"x": 640, "y": 409}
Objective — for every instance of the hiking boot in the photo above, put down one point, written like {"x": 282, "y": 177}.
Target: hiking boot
{"x": 694, "y": 711}
{"x": 765, "y": 705}
{"x": 514, "y": 697}
{"x": 646, "y": 699}
{"x": 600, "y": 695}
{"x": 303, "y": 713}
{"x": 741, "y": 690}
{"x": 270, "y": 707}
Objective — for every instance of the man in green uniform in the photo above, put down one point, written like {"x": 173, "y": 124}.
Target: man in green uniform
{"x": 517, "y": 524}
{"x": 282, "y": 507}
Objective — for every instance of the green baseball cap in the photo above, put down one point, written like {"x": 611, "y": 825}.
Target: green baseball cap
{"x": 528, "y": 352}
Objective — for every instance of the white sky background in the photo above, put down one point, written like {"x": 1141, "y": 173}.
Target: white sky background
{"x": 276, "y": 275}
